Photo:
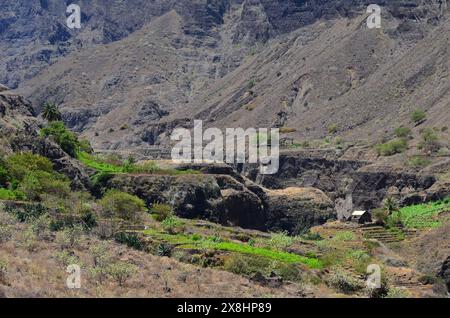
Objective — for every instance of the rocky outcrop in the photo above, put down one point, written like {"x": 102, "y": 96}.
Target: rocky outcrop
{"x": 350, "y": 184}
{"x": 3, "y": 88}
{"x": 218, "y": 198}
{"x": 243, "y": 208}
{"x": 19, "y": 132}
{"x": 372, "y": 184}
{"x": 445, "y": 272}
{"x": 295, "y": 210}
{"x": 233, "y": 202}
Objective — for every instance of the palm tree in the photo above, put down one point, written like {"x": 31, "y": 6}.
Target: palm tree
{"x": 51, "y": 112}
{"x": 390, "y": 205}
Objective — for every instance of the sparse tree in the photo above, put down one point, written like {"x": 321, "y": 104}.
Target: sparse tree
{"x": 122, "y": 271}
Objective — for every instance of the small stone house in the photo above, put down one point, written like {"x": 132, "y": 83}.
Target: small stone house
{"x": 361, "y": 217}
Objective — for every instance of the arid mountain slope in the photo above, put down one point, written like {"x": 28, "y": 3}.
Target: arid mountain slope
{"x": 305, "y": 66}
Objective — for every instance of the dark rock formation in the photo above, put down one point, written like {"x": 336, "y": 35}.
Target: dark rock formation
{"x": 350, "y": 184}
{"x": 372, "y": 184}
{"x": 223, "y": 199}
{"x": 198, "y": 196}
{"x": 295, "y": 210}
{"x": 445, "y": 272}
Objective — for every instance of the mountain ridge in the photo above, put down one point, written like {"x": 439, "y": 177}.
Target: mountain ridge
{"x": 311, "y": 65}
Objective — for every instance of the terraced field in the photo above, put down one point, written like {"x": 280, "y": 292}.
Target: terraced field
{"x": 426, "y": 215}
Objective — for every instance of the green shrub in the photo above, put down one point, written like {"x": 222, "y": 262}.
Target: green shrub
{"x": 344, "y": 236}
{"x": 101, "y": 258}
{"x": 380, "y": 216}
{"x": 288, "y": 272}
{"x": 418, "y": 115}
{"x": 27, "y": 213}
{"x": 397, "y": 293}
{"x": 392, "y": 147}
{"x": 164, "y": 249}
{"x": 100, "y": 181}
{"x": 4, "y": 175}
{"x": 41, "y": 227}
{"x": 29, "y": 240}
{"x": 66, "y": 139}
{"x": 6, "y": 194}
{"x": 21, "y": 164}
{"x": 100, "y": 254}
{"x": 160, "y": 212}
{"x": 6, "y": 232}
{"x": 122, "y": 205}
{"x": 390, "y": 205}
{"x": 251, "y": 83}
{"x": 333, "y": 128}
{"x": 428, "y": 279}
{"x": 3, "y": 272}
{"x": 85, "y": 146}
{"x": 65, "y": 258}
{"x": 402, "y": 132}
{"x": 148, "y": 166}
{"x": 37, "y": 183}
{"x": 122, "y": 271}
{"x": 70, "y": 237}
{"x": 30, "y": 176}
{"x": 246, "y": 265}
{"x": 130, "y": 239}
{"x": 343, "y": 282}
{"x": 309, "y": 236}
{"x": 430, "y": 141}
{"x": 280, "y": 241}
{"x": 418, "y": 161}
{"x": 172, "y": 225}
{"x": 215, "y": 238}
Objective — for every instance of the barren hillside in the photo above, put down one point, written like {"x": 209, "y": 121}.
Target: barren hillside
{"x": 135, "y": 72}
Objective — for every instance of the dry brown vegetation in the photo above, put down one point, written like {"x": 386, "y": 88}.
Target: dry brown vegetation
{"x": 36, "y": 267}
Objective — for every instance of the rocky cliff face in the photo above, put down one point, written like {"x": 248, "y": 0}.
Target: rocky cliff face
{"x": 351, "y": 185}
{"x": 223, "y": 197}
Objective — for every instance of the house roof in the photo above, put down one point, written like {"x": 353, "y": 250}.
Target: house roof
{"x": 358, "y": 213}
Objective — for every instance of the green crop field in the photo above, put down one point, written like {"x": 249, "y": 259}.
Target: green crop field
{"x": 203, "y": 243}
{"x": 423, "y": 215}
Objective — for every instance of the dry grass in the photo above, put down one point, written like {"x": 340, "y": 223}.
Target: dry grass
{"x": 36, "y": 272}
{"x": 302, "y": 193}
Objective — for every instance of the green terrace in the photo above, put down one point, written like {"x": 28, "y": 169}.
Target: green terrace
{"x": 425, "y": 215}
{"x": 117, "y": 166}
{"x": 200, "y": 242}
